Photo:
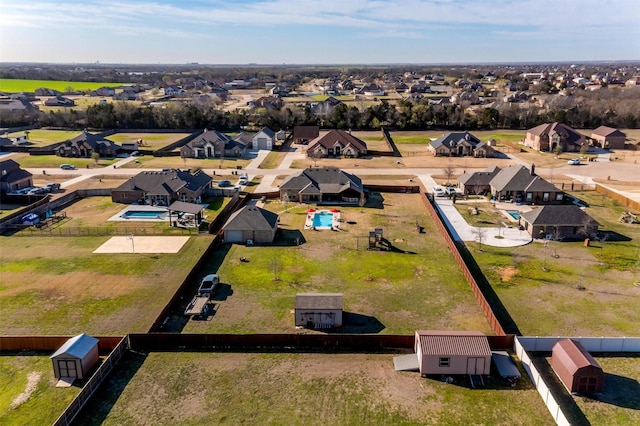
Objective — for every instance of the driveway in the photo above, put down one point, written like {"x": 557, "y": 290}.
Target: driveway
{"x": 491, "y": 236}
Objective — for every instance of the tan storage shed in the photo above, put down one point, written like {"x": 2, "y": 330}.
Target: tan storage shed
{"x": 251, "y": 225}
{"x": 76, "y": 357}
{"x": 453, "y": 352}
{"x": 576, "y": 368}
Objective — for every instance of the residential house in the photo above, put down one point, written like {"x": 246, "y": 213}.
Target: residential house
{"x": 23, "y": 105}
{"x": 266, "y": 102}
{"x": 558, "y": 222}
{"x": 215, "y": 144}
{"x": 59, "y": 101}
{"x": 337, "y": 143}
{"x": 264, "y": 139}
{"x": 279, "y": 91}
{"x": 162, "y": 188}
{"x": 479, "y": 182}
{"x": 128, "y": 94}
{"x": 633, "y": 81}
{"x": 327, "y": 185}
{"x": 546, "y": 137}
{"x": 43, "y": 91}
{"x": 104, "y": 92}
{"x": 452, "y": 352}
{"x": 318, "y": 310}
{"x": 520, "y": 184}
{"x": 325, "y": 108}
{"x": 251, "y": 225}
{"x": 460, "y": 144}
{"x": 372, "y": 90}
{"x": 609, "y": 138}
{"x": 304, "y": 134}
{"x": 85, "y": 144}
{"x": 173, "y": 90}
{"x": 12, "y": 177}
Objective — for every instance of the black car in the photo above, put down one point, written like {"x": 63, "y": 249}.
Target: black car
{"x": 224, "y": 183}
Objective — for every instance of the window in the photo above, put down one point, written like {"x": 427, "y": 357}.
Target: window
{"x": 545, "y": 196}
{"x": 559, "y": 196}
{"x": 445, "y": 362}
{"x": 529, "y": 196}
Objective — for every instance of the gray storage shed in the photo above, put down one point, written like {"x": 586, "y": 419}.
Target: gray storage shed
{"x": 318, "y": 310}
{"x": 76, "y": 357}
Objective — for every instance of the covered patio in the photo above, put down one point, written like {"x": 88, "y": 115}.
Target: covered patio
{"x": 186, "y": 215}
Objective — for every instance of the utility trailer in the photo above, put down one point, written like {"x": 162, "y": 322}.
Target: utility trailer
{"x": 198, "y": 305}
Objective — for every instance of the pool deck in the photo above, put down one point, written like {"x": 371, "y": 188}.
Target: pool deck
{"x": 335, "y": 224}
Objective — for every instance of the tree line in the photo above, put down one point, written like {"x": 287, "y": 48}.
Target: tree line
{"x": 612, "y": 107}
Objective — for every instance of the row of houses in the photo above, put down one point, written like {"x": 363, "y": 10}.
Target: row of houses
{"x": 547, "y": 137}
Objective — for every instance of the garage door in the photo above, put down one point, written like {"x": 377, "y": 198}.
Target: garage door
{"x": 233, "y": 236}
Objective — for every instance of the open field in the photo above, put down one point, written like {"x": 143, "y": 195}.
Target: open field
{"x": 151, "y": 162}
{"x": 48, "y": 161}
{"x": 416, "y": 285}
{"x": 28, "y": 395}
{"x": 43, "y": 137}
{"x": 16, "y": 85}
{"x": 619, "y": 403}
{"x": 272, "y": 160}
{"x": 152, "y": 141}
{"x": 584, "y": 291}
{"x": 298, "y": 389}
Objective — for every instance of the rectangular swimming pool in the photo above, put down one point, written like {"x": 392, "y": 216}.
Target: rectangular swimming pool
{"x": 323, "y": 220}
{"x": 144, "y": 214}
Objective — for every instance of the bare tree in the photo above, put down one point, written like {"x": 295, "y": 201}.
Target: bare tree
{"x": 449, "y": 171}
{"x": 315, "y": 155}
{"x": 480, "y": 234}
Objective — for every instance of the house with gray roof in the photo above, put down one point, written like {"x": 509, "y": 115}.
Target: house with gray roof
{"x": 520, "y": 184}
{"x": 479, "y": 182}
{"x": 162, "y": 188}
{"x": 251, "y": 224}
{"x": 215, "y": 144}
{"x": 318, "y": 310}
{"x": 326, "y": 185}
{"x": 264, "y": 139}
{"x": 12, "y": 177}
{"x": 548, "y": 136}
{"x": 460, "y": 144}
{"x": 558, "y": 222}
{"x": 85, "y": 144}
{"x": 336, "y": 143}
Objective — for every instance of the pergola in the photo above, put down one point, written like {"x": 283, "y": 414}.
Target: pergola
{"x": 187, "y": 215}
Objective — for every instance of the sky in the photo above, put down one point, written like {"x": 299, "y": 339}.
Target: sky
{"x": 318, "y": 31}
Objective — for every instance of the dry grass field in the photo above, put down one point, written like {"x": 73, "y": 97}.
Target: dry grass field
{"x": 299, "y": 389}
{"x": 152, "y": 141}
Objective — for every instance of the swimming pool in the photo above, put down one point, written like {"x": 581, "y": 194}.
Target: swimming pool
{"x": 144, "y": 214}
{"x": 514, "y": 214}
{"x": 323, "y": 220}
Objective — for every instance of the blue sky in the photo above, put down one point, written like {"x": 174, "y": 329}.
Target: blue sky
{"x": 318, "y": 31}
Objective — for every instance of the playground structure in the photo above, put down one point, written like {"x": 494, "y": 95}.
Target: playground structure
{"x": 628, "y": 217}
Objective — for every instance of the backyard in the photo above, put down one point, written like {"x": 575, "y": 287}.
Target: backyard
{"x": 414, "y": 285}
{"x": 571, "y": 289}
{"x": 254, "y": 388}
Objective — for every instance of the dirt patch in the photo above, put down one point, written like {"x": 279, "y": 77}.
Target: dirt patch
{"x": 32, "y": 382}
{"x": 507, "y": 273}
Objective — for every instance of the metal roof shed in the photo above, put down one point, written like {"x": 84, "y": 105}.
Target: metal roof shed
{"x": 576, "y": 368}
{"x": 453, "y": 352}
{"x": 76, "y": 357}
{"x": 318, "y": 310}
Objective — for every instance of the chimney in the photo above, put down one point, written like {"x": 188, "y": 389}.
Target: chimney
{"x": 533, "y": 169}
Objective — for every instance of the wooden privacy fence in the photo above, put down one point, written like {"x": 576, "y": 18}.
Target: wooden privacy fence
{"x": 480, "y": 297}
{"x": 50, "y": 343}
{"x": 614, "y": 195}
{"x": 94, "y": 382}
{"x": 236, "y": 203}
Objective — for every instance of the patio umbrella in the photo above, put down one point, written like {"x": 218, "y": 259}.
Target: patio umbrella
{"x": 335, "y": 211}
{"x": 311, "y": 210}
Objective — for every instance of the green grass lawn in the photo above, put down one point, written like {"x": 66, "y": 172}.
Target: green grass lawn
{"x": 16, "y": 85}
{"x": 43, "y": 402}
{"x": 150, "y": 140}
{"x": 49, "y": 161}
{"x": 298, "y": 389}
{"x": 272, "y": 160}
{"x": 41, "y": 137}
{"x": 56, "y": 285}
{"x": 571, "y": 289}
{"x": 416, "y": 286}
{"x": 619, "y": 403}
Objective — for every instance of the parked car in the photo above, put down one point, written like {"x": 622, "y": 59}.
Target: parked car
{"x": 574, "y": 162}
{"x": 450, "y": 190}
{"x": 67, "y": 167}
{"x": 438, "y": 191}
{"x": 50, "y": 187}
{"x": 243, "y": 180}
{"x": 224, "y": 183}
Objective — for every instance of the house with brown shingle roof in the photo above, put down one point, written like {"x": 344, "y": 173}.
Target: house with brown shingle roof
{"x": 85, "y": 144}
{"x": 336, "y": 143}
{"x": 520, "y": 184}
{"x": 609, "y": 138}
{"x": 304, "y": 134}
{"x": 568, "y": 222}
{"x": 12, "y": 177}
{"x": 215, "y": 144}
{"x": 546, "y": 137}
{"x": 326, "y": 185}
